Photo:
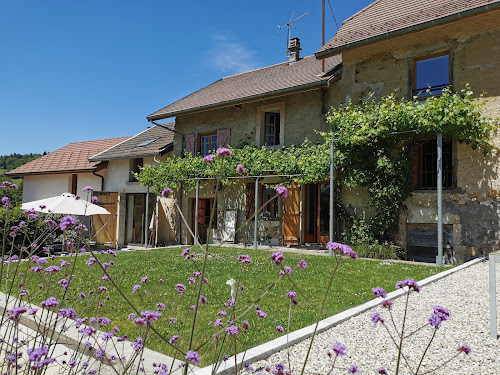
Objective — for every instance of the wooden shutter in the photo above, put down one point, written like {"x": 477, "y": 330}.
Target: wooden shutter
{"x": 250, "y": 200}
{"x": 191, "y": 143}
{"x": 291, "y": 216}
{"x": 223, "y": 137}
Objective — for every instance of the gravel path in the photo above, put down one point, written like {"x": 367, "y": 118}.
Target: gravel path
{"x": 464, "y": 293}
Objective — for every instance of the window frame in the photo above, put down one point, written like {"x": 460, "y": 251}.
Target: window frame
{"x": 415, "y": 60}
{"x": 261, "y": 131}
{"x": 135, "y": 167}
{"x": 449, "y": 164}
{"x": 211, "y": 142}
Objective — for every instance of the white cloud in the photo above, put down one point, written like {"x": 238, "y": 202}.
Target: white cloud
{"x": 230, "y": 55}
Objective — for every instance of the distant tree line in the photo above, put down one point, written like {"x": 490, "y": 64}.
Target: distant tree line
{"x": 8, "y": 163}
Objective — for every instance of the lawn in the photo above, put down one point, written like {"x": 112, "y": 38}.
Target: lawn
{"x": 352, "y": 286}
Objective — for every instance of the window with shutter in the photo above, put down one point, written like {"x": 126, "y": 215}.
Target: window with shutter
{"x": 191, "y": 143}
{"x": 223, "y": 137}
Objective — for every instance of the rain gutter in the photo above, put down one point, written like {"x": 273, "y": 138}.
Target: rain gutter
{"x": 453, "y": 17}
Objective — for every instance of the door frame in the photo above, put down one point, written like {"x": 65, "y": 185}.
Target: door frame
{"x": 316, "y": 237}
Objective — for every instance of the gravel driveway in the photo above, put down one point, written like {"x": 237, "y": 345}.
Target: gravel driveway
{"x": 464, "y": 293}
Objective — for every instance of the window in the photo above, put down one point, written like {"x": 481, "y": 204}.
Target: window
{"x": 425, "y": 164}
{"x": 135, "y": 167}
{"x": 74, "y": 184}
{"x": 432, "y": 73}
{"x": 270, "y": 125}
{"x": 272, "y": 128}
{"x": 270, "y": 211}
{"x": 205, "y": 211}
{"x": 208, "y": 144}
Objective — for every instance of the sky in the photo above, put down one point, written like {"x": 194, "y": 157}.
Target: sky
{"x": 73, "y": 71}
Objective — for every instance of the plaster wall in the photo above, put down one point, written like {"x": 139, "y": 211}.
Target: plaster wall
{"x": 386, "y": 67}
{"x": 302, "y": 111}
{"x": 49, "y": 185}
{"x": 118, "y": 176}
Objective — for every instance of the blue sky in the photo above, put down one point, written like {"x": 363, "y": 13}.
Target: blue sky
{"x": 74, "y": 71}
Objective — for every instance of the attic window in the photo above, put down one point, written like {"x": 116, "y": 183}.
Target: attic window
{"x": 146, "y": 142}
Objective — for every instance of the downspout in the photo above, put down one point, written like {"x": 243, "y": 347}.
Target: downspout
{"x": 179, "y": 219}
{"x": 102, "y": 179}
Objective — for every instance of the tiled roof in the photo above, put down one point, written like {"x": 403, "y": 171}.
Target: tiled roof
{"x": 246, "y": 86}
{"x": 152, "y": 141}
{"x": 71, "y": 158}
{"x": 385, "y": 17}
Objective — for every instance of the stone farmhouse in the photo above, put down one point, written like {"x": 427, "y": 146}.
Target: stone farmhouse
{"x": 391, "y": 46}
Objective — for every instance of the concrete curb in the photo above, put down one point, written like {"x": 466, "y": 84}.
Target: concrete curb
{"x": 265, "y": 350}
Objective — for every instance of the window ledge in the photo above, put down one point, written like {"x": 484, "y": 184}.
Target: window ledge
{"x": 133, "y": 183}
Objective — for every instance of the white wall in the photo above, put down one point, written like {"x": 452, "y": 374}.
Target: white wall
{"x": 49, "y": 185}
{"x": 118, "y": 176}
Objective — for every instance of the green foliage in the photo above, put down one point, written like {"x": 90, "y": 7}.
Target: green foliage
{"x": 373, "y": 142}
{"x": 8, "y": 163}
{"x": 374, "y": 251}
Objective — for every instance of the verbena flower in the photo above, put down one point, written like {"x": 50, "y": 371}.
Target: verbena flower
{"x": 291, "y": 295}
{"x": 353, "y": 369}
{"x": 379, "y": 292}
{"x": 49, "y": 302}
{"x": 160, "y": 306}
{"x": 339, "y": 349}
{"x": 222, "y": 313}
{"x": 180, "y": 288}
{"x": 135, "y": 288}
{"x": 166, "y": 192}
{"x": 240, "y": 169}
{"x": 88, "y": 188}
{"x": 232, "y": 330}
{"x": 244, "y": 259}
{"x": 282, "y": 192}
{"x": 173, "y": 339}
{"x": 209, "y": 158}
{"x": 150, "y": 315}
{"x": 277, "y": 257}
{"x": 66, "y": 222}
{"x": 245, "y": 324}
{"x": 302, "y": 264}
{"x": 386, "y": 304}
{"x": 346, "y": 250}
{"x": 280, "y": 329}
{"x": 410, "y": 283}
{"x": 68, "y": 313}
{"x": 16, "y": 312}
{"x": 193, "y": 357}
{"x": 439, "y": 315}
{"x": 464, "y": 348}
{"x": 382, "y": 371}
{"x": 223, "y": 152}
{"x": 376, "y": 317}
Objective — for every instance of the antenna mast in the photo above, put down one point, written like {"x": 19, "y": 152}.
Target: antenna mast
{"x": 288, "y": 25}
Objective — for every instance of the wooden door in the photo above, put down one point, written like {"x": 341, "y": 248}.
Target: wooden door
{"x": 104, "y": 226}
{"x": 291, "y": 216}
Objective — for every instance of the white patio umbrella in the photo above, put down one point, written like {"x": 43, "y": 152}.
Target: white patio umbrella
{"x": 66, "y": 204}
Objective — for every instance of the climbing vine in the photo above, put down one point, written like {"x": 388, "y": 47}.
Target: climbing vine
{"x": 372, "y": 141}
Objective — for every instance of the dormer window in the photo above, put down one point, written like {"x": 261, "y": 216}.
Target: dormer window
{"x": 431, "y": 72}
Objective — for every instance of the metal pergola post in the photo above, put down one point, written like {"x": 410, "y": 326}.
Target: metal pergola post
{"x": 439, "y": 258}
{"x": 146, "y": 221}
{"x": 255, "y": 232}
{"x": 332, "y": 166}
{"x": 197, "y": 200}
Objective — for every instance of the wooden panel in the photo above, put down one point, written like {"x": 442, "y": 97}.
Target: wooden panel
{"x": 422, "y": 241}
{"x": 191, "y": 143}
{"x": 223, "y": 137}
{"x": 104, "y": 226}
{"x": 291, "y": 215}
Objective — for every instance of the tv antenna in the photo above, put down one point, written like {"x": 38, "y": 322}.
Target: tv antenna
{"x": 288, "y": 25}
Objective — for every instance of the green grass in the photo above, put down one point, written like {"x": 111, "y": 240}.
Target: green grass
{"x": 352, "y": 286}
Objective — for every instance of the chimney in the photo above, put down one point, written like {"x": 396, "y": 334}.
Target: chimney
{"x": 293, "y": 50}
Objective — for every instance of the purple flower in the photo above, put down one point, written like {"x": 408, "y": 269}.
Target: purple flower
{"x": 150, "y": 315}
{"x": 160, "y": 306}
{"x": 6, "y": 201}
{"x": 223, "y": 152}
{"x": 15, "y": 312}
{"x": 232, "y": 330}
{"x": 203, "y": 299}
{"x": 339, "y": 349}
{"x": 197, "y": 274}
{"x": 36, "y": 354}
{"x": 144, "y": 279}
{"x": 173, "y": 339}
{"x": 68, "y": 313}
{"x": 222, "y": 313}
{"x": 260, "y": 313}
{"x": 100, "y": 353}
{"x": 49, "y": 302}
{"x": 376, "y": 317}
{"x": 193, "y": 357}
{"x": 280, "y": 329}
{"x": 410, "y": 283}
{"x": 240, "y": 169}
{"x": 288, "y": 269}
{"x": 88, "y": 188}
{"x": 291, "y": 295}
{"x": 379, "y": 292}
{"x": 464, "y": 348}
{"x": 135, "y": 288}
{"x": 353, "y": 369}
{"x": 180, "y": 288}
{"x": 277, "y": 257}
{"x": 218, "y": 323}
{"x": 64, "y": 263}
{"x": 209, "y": 158}
{"x": 191, "y": 280}
{"x": 140, "y": 321}
{"x": 302, "y": 264}
{"x": 346, "y": 250}
{"x": 66, "y": 222}
{"x": 439, "y": 315}
{"x": 382, "y": 371}
{"x": 386, "y": 304}
{"x": 173, "y": 320}
{"x": 50, "y": 223}
{"x": 64, "y": 283}
{"x": 94, "y": 199}
{"x": 138, "y": 344}
{"x": 245, "y": 324}
{"x": 282, "y": 192}
{"x": 166, "y": 192}
{"x": 244, "y": 259}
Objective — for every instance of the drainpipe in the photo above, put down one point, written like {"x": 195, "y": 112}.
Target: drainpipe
{"x": 439, "y": 259}
{"x": 102, "y": 179}
{"x": 181, "y": 187}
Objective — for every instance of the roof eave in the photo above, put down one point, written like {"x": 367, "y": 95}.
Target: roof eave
{"x": 287, "y": 90}
{"x": 336, "y": 50}
{"x": 21, "y": 174}
{"x": 161, "y": 151}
